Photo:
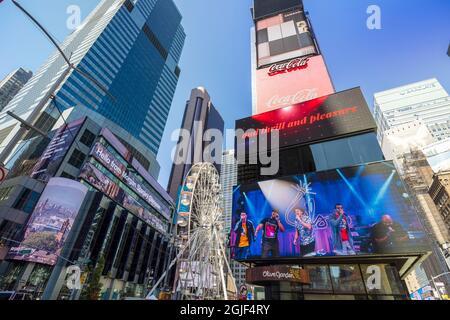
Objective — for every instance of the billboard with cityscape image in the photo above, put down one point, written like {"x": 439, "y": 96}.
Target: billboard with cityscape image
{"x": 50, "y": 222}
{"x": 360, "y": 210}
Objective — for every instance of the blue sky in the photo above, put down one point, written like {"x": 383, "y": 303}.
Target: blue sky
{"x": 411, "y": 46}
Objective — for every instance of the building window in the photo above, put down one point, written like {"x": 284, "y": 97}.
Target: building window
{"x": 177, "y": 71}
{"x": 67, "y": 176}
{"x": 87, "y": 138}
{"x": 4, "y": 193}
{"x": 154, "y": 40}
{"x": 347, "y": 279}
{"x": 77, "y": 158}
{"x": 27, "y": 200}
{"x": 129, "y": 5}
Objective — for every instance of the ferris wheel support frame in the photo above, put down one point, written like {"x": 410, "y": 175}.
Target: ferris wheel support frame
{"x": 219, "y": 254}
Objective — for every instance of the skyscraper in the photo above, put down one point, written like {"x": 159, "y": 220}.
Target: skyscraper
{"x": 228, "y": 178}
{"x": 200, "y": 116}
{"x": 426, "y": 100}
{"x": 12, "y": 83}
{"x": 131, "y": 48}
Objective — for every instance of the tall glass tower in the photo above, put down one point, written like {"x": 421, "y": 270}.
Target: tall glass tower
{"x": 132, "y": 48}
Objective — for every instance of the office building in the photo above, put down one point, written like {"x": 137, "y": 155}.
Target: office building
{"x": 228, "y": 178}
{"x": 426, "y": 101}
{"x": 132, "y": 49}
{"x": 201, "y": 127}
{"x": 11, "y": 85}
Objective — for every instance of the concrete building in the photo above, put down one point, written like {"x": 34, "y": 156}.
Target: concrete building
{"x": 438, "y": 155}
{"x": 195, "y": 145}
{"x": 426, "y": 100}
{"x": 404, "y": 144}
{"x": 417, "y": 175}
{"x": 12, "y": 84}
{"x": 440, "y": 193}
{"x": 132, "y": 49}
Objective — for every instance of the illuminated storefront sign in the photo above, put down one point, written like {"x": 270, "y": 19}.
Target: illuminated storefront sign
{"x": 277, "y": 274}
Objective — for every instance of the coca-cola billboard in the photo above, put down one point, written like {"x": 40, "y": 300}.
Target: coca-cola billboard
{"x": 330, "y": 116}
{"x": 295, "y": 81}
{"x": 292, "y": 65}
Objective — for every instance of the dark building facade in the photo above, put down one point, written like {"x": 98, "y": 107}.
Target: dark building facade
{"x": 12, "y": 84}
{"x": 200, "y": 118}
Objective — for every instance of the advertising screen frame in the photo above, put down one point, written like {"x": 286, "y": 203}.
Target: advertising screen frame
{"x": 98, "y": 180}
{"x": 48, "y": 227}
{"x": 328, "y": 117}
{"x": 371, "y": 192}
{"x": 51, "y": 159}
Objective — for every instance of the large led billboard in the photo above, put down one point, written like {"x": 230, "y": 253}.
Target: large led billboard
{"x": 263, "y": 8}
{"x": 120, "y": 193}
{"x": 320, "y": 119}
{"x": 56, "y": 150}
{"x": 51, "y": 222}
{"x": 282, "y": 37}
{"x": 292, "y": 82}
{"x": 360, "y": 210}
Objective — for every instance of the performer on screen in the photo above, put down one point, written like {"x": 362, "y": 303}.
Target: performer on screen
{"x": 304, "y": 232}
{"x": 244, "y": 237}
{"x": 340, "y": 231}
{"x": 270, "y": 226}
{"x": 387, "y": 235}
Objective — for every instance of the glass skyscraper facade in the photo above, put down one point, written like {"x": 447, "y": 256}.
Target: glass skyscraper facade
{"x": 132, "y": 49}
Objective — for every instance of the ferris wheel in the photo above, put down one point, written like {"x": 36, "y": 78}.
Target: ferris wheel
{"x": 202, "y": 259}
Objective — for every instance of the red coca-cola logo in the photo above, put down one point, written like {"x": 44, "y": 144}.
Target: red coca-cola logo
{"x": 295, "y": 64}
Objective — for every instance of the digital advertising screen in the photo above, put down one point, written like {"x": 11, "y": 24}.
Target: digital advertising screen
{"x": 282, "y": 37}
{"x": 116, "y": 191}
{"x": 360, "y": 210}
{"x": 292, "y": 82}
{"x": 331, "y": 116}
{"x": 51, "y": 222}
{"x": 263, "y": 8}
{"x": 56, "y": 150}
